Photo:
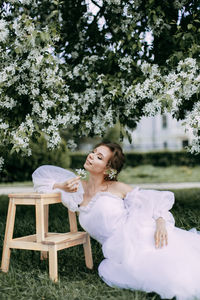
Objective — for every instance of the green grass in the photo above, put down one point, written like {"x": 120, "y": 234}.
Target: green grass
{"x": 24, "y": 183}
{"x": 152, "y": 174}
{"x": 28, "y": 276}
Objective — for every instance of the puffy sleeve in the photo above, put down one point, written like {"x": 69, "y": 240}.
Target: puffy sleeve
{"x": 151, "y": 203}
{"x": 46, "y": 176}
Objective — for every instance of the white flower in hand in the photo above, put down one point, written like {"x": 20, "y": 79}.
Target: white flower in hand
{"x": 81, "y": 172}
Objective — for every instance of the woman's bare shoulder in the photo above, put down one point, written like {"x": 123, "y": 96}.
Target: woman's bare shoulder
{"x": 125, "y": 186}
{"x": 122, "y": 187}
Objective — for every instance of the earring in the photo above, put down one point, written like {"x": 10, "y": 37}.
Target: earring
{"x": 111, "y": 173}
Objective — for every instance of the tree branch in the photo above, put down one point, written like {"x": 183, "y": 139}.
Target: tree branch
{"x": 96, "y": 4}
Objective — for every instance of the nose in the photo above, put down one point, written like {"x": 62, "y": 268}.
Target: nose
{"x": 91, "y": 155}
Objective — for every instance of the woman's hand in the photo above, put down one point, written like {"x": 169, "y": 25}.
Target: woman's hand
{"x": 70, "y": 186}
{"x": 160, "y": 235}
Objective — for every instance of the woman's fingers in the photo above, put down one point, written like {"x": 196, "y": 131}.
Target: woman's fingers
{"x": 74, "y": 190}
{"x": 156, "y": 239}
{"x": 166, "y": 240}
{"x": 72, "y": 181}
{"x": 72, "y": 185}
{"x": 161, "y": 239}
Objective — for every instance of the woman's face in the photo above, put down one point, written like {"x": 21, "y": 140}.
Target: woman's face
{"x": 98, "y": 159}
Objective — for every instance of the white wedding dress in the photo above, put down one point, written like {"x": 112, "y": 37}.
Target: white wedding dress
{"x": 125, "y": 228}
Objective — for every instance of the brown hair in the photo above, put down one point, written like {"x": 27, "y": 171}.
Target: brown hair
{"x": 117, "y": 159}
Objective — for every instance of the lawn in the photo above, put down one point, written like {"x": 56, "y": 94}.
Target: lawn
{"x": 23, "y": 183}
{"x": 28, "y": 276}
{"x": 152, "y": 174}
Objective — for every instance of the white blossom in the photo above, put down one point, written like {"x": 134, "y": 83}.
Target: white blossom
{"x": 116, "y": 2}
{"x": 54, "y": 139}
{"x": 74, "y": 54}
{"x": 63, "y": 120}
{"x": 192, "y": 124}
{"x": 76, "y": 71}
{"x": 152, "y": 108}
{"x": 1, "y": 163}
{"x": 3, "y": 125}
{"x": 8, "y": 102}
{"x": 189, "y": 63}
{"x": 81, "y": 172}
{"x": 111, "y": 173}
{"x": 36, "y": 109}
{"x": 88, "y": 124}
{"x": 71, "y": 145}
{"x": 125, "y": 63}
{"x": 27, "y": 2}
{"x": 4, "y": 32}
{"x": 22, "y": 89}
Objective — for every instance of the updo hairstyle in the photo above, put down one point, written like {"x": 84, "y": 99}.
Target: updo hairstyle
{"x": 116, "y": 161}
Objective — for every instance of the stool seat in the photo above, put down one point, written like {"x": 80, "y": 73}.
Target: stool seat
{"x": 44, "y": 241}
{"x": 59, "y": 238}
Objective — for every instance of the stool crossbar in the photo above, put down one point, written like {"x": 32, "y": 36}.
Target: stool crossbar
{"x": 48, "y": 243}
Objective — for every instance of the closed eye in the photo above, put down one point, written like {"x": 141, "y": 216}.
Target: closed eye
{"x": 99, "y": 157}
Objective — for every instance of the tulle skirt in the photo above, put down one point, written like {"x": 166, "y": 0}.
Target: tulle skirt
{"x": 132, "y": 263}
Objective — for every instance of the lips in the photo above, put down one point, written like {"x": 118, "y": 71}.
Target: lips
{"x": 88, "y": 162}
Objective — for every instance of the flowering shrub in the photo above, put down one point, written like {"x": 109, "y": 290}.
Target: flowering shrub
{"x": 172, "y": 92}
{"x": 33, "y": 95}
{"x": 40, "y": 93}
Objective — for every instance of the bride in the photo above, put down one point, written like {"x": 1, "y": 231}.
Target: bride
{"x": 143, "y": 249}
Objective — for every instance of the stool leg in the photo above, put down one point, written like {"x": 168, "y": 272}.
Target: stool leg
{"x": 53, "y": 263}
{"x": 88, "y": 253}
{"x": 8, "y": 236}
{"x": 44, "y": 254}
{"x": 40, "y": 224}
{"x": 72, "y": 221}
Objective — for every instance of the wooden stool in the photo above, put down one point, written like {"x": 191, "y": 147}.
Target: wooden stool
{"x": 44, "y": 241}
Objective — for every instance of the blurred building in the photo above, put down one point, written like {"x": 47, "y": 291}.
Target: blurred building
{"x": 159, "y": 133}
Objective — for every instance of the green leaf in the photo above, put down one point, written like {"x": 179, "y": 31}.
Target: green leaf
{"x": 134, "y": 46}
{"x": 189, "y": 26}
{"x": 129, "y": 136}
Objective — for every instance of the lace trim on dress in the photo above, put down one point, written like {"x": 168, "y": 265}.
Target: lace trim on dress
{"x": 93, "y": 200}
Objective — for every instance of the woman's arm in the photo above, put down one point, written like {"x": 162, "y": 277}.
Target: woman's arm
{"x": 70, "y": 186}
{"x": 160, "y": 235}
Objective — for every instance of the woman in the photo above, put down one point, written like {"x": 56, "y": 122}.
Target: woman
{"x": 133, "y": 226}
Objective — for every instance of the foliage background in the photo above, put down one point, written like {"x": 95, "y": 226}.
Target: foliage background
{"x": 18, "y": 168}
{"x": 155, "y": 158}
{"x": 162, "y": 166}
